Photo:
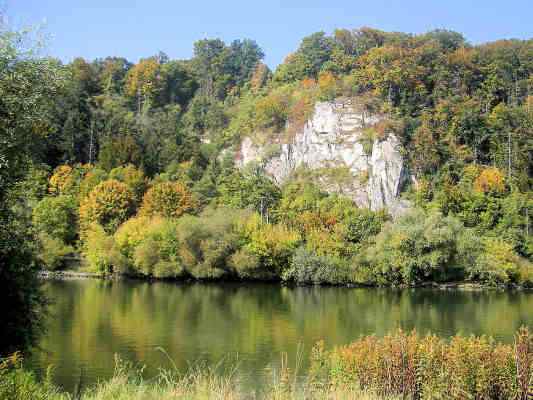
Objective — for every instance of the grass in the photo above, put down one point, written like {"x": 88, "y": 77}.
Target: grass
{"x": 400, "y": 365}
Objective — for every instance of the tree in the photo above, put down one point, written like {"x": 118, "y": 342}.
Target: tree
{"x": 27, "y": 83}
{"x": 167, "y": 199}
{"x": 118, "y": 151}
{"x": 57, "y": 217}
{"x": 112, "y": 72}
{"x": 314, "y": 51}
{"x": 144, "y": 83}
{"x": 109, "y": 204}
{"x": 249, "y": 190}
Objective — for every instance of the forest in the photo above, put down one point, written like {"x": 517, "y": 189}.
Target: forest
{"x": 130, "y": 167}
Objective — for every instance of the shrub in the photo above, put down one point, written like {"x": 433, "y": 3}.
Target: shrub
{"x": 52, "y": 251}
{"x": 307, "y": 267}
{"x": 273, "y": 244}
{"x": 167, "y": 199}
{"x": 145, "y": 256}
{"x": 249, "y": 190}
{"x": 417, "y": 247}
{"x": 167, "y": 269}
{"x": 16, "y": 383}
{"x": 207, "y": 242}
{"x": 133, "y": 232}
{"x": 109, "y": 204}
{"x": 66, "y": 179}
{"x": 246, "y": 265}
{"x": 525, "y": 274}
{"x": 497, "y": 263}
{"x": 327, "y": 85}
{"x": 100, "y": 252}
{"x": 57, "y": 217}
{"x": 150, "y": 246}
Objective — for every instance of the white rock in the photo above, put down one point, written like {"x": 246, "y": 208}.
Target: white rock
{"x": 332, "y": 138}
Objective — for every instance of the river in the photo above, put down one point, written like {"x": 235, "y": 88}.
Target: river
{"x": 248, "y": 325}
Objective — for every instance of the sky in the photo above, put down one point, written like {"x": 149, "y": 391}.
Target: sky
{"x": 135, "y": 29}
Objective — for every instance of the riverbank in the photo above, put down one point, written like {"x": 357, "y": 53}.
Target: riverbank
{"x": 460, "y": 285}
{"x": 399, "y": 365}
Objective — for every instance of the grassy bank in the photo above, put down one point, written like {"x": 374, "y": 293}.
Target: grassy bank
{"x": 400, "y": 365}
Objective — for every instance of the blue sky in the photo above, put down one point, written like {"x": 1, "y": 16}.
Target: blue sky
{"x": 136, "y": 29}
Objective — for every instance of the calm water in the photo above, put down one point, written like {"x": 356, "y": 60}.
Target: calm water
{"x": 93, "y": 320}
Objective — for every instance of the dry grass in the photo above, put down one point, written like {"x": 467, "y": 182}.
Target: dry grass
{"x": 400, "y": 365}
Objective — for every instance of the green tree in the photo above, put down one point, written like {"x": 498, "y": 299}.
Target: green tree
{"x": 27, "y": 83}
{"x": 57, "y": 217}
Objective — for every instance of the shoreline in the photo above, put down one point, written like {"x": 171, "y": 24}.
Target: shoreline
{"x": 460, "y": 285}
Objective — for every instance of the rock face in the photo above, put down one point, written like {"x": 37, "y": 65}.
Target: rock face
{"x": 335, "y": 145}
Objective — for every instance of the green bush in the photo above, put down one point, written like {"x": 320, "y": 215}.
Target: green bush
{"x": 150, "y": 246}
{"x": 417, "y": 247}
{"x": 52, "y": 251}
{"x": 18, "y": 384}
{"x": 497, "y": 263}
{"x": 101, "y": 252}
{"x": 207, "y": 242}
{"x": 246, "y": 265}
{"x": 57, "y": 217}
{"x": 272, "y": 244}
{"x": 308, "y": 268}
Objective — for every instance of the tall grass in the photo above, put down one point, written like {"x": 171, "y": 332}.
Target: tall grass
{"x": 406, "y": 365}
{"x": 398, "y": 366}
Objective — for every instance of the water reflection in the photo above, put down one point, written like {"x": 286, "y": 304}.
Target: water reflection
{"x": 92, "y": 320}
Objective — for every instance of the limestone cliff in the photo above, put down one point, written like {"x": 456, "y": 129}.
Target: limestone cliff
{"x": 335, "y": 143}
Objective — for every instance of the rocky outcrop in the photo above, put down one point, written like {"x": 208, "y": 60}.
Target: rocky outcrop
{"x": 340, "y": 145}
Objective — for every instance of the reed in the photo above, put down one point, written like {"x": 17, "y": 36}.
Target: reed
{"x": 398, "y": 366}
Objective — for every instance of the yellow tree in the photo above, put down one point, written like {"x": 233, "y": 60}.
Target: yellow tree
{"x": 167, "y": 199}
{"x": 144, "y": 82}
{"x": 109, "y": 204}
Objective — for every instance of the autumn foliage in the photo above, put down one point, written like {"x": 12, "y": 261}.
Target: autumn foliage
{"x": 61, "y": 179}
{"x": 490, "y": 180}
{"x": 109, "y": 204}
{"x": 167, "y": 199}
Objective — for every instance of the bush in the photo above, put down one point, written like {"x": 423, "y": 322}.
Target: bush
{"x": 246, "y": 265}
{"x": 101, "y": 253}
{"x": 52, "y": 251}
{"x": 134, "y": 231}
{"x": 207, "y": 242}
{"x": 417, "y": 247}
{"x": 57, "y": 217}
{"x": 61, "y": 180}
{"x": 167, "y": 199}
{"x": 497, "y": 263}
{"x": 272, "y": 244}
{"x": 109, "y": 204}
{"x": 308, "y": 268}
{"x": 18, "y": 384}
{"x": 150, "y": 246}
{"x": 490, "y": 180}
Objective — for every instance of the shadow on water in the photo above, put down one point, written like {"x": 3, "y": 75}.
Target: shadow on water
{"x": 250, "y": 324}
